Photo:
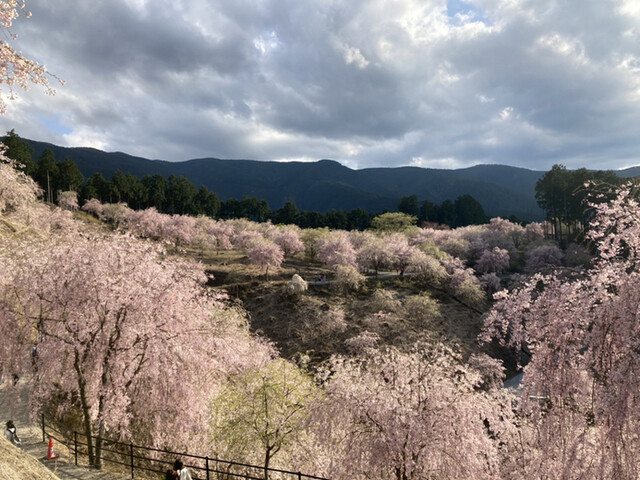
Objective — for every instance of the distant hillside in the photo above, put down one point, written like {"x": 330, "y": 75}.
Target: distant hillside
{"x": 326, "y": 184}
{"x": 629, "y": 172}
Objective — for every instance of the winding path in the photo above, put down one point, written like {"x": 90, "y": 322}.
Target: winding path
{"x": 14, "y": 406}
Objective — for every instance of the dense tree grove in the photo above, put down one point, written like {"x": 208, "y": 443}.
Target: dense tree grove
{"x": 177, "y": 195}
{"x": 561, "y": 194}
{"x": 125, "y": 319}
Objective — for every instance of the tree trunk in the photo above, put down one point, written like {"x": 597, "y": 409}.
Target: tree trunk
{"x": 82, "y": 387}
{"x": 98, "y": 463}
{"x": 267, "y": 460}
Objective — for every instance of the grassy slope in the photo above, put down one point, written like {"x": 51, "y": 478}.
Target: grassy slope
{"x": 18, "y": 465}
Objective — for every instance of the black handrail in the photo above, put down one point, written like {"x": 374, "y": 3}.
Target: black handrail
{"x": 130, "y": 461}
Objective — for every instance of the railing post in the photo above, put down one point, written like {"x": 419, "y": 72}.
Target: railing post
{"x": 43, "y": 439}
{"x": 206, "y": 466}
{"x": 299, "y": 476}
{"x": 75, "y": 446}
{"x": 131, "y": 457}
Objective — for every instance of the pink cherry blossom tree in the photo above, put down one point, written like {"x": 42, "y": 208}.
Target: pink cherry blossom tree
{"x": 501, "y": 226}
{"x": 534, "y": 231}
{"x": 179, "y": 229}
{"x": 490, "y": 282}
{"x": 336, "y": 249}
{"x": 579, "y": 404}
{"x": 244, "y": 238}
{"x": 373, "y": 252}
{"x": 288, "y": 239}
{"x": 403, "y": 255}
{"x": 543, "y": 257}
{"x": 221, "y": 233}
{"x": 362, "y": 342}
{"x": 409, "y": 416}
{"x": 493, "y": 261}
{"x": 116, "y": 214}
{"x": 129, "y": 338}
{"x": 147, "y": 223}
{"x": 93, "y": 205}
{"x": 68, "y": 200}
{"x": 20, "y": 210}
{"x": 17, "y": 190}
{"x": 265, "y": 254}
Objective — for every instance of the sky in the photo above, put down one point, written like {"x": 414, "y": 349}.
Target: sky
{"x": 368, "y": 83}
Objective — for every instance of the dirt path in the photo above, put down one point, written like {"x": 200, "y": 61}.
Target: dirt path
{"x": 14, "y": 406}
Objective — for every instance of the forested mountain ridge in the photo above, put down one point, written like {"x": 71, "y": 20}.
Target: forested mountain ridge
{"x": 326, "y": 184}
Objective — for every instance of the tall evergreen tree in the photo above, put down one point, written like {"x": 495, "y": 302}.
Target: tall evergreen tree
{"x": 19, "y": 150}
{"x": 358, "y": 219}
{"x": 428, "y": 212}
{"x": 69, "y": 176}
{"x": 286, "y": 215}
{"x": 468, "y": 211}
{"x": 409, "y": 205}
{"x": 254, "y": 209}
{"x": 181, "y": 195}
{"x": 96, "y": 187}
{"x": 446, "y": 213}
{"x": 230, "y": 208}
{"x": 206, "y": 202}
{"x": 156, "y": 187}
{"x": 47, "y": 174}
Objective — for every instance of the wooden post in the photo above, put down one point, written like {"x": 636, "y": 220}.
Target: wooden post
{"x": 131, "y": 457}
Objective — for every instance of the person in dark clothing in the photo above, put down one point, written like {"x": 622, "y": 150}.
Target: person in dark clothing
{"x": 11, "y": 433}
{"x": 181, "y": 470}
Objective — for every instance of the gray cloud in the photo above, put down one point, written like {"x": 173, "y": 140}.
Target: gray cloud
{"x": 366, "y": 82}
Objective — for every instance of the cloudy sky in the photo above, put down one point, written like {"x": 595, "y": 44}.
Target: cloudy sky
{"x": 432, "y": 83}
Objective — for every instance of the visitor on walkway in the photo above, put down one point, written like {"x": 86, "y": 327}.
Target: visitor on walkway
{"x": 11, "y": 433}
{"x": 181, "y": 470}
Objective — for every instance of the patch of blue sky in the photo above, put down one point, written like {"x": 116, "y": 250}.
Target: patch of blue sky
{"x": 54, "y": 124}
{"x": 459, "y": 11}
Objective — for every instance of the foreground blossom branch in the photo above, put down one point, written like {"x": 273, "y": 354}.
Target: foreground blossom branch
{"x": 16, "y": 69}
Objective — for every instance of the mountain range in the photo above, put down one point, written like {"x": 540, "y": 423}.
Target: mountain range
{"x": 326, "y": 184}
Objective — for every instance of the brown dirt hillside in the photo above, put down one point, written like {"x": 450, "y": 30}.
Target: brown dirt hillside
{"x": 320, "y": 322}
{"x": 18, "y": 465}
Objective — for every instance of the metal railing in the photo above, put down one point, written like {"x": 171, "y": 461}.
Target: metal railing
{"x": 138, "y": 458}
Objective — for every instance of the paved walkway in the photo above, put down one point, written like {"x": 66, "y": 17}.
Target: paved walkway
{"x": 14, "y": 406}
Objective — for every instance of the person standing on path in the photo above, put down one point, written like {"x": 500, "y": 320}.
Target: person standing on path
{"x": 11, "y": 433}
{"x": 183, "y": 472}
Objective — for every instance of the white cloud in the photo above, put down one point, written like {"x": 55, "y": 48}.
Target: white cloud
{"x": 568, "y": 47}
{"x": 86, "y": 137}
{"x": 266, "y": 43}
{"x": 354, "y": 55}
{"x": 506, "y": 113}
